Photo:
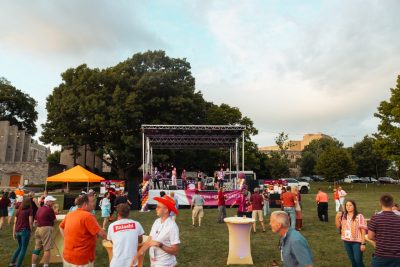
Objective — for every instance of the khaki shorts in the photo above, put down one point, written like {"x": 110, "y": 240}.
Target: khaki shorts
{"x": 197, "y": 211}
{"x": 259, "y": 214}
{"x": 67, "y": 264}
{"x": 43, "y": 238}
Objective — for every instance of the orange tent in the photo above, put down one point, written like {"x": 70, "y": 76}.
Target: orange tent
{"x": 76, "y": 174}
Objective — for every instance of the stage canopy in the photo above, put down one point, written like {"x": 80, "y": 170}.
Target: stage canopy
{"x": 76, "y": 174}
{"x": 191, "y": 137}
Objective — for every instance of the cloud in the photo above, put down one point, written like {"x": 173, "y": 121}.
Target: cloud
{"x": 74, "y": 28}
{"x": 321, "y": 68}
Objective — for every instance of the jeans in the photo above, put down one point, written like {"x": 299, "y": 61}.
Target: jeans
{"x": 221, "y": 213}
{"x": 385, "y": 262}
{"x": 292, "y": 215}
{"x": 266, "y": 207}
{"x": 354, "y": 253}
{"x": 337, "y": 203}
{"x": 23, "y": 242}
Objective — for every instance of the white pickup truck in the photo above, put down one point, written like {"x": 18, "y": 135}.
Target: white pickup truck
{"x": 304, "y": 187}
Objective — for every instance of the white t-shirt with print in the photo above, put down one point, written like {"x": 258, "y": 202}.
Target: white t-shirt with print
{"x": 166, "y": 233}
{"x": 124, "y": 235}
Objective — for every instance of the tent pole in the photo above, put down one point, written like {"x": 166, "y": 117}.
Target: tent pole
{"x": 87, "y": 190}
{"x": 45, "y": 186}
{"x": 230, "y": 164}
{"x": 143, "y": 152}
{"x": 243, "y": 151}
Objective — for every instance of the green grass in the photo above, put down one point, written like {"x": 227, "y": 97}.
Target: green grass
{"x": 208, "y": 245}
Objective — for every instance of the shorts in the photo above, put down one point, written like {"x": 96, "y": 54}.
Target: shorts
{"x": 43, "y": 238}
{"x": 4, "y": 212}
{"x": 198, "y": 211}
{"x": 67, "y": 264}
{"x": 11, "y": 212}
{"x": 259, "y": 214}
{"x": 105, "y": 213}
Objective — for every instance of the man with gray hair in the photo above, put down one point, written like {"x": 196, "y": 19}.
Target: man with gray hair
{"x": 295, "y": 250}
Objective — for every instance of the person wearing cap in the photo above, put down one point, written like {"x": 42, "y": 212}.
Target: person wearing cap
{"x": 164, "y": 236}
{"x": 125, "y": 234}
{"x": 45, "y": 218}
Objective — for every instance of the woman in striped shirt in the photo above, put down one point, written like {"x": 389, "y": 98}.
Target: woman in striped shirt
{"x": 352, "y": 229}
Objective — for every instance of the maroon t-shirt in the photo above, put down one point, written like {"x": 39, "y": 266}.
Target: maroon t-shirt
{"x": 256, "y": 201}
{"x": 45, "y": 216}
{"x": 386, "y": 225}
{"x": 4, "y": 202}
{"x": 221, "y": 198}
{"x": 22, "y": 219}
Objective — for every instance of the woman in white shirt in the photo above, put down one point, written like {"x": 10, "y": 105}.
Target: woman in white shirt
{"x": 105, "y": 206}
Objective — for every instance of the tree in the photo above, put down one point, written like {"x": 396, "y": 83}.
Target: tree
{"x": 54, "y": 157}
{"x": 312, "y": 152}
{"x": 334, "y": 163}
{"x": 17, "y": 107}
{"x": 388, "y": 135}
{"x": 369, "y": 160}
{"x": 277, "y": 165}
{"x": 307, "y": 163}
{"x": 106, "y": 108}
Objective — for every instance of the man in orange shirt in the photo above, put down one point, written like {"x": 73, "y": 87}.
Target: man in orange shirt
{"x": 289, "y": 200}
{"x": 80, "y": 230}
{"x": 322, "y": 202}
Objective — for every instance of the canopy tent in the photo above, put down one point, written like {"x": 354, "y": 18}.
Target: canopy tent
{"x": 76, "y": 174}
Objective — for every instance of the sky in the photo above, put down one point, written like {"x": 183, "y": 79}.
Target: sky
{"x": 293, "y": 66}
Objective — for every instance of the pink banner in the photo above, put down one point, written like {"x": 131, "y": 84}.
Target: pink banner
{"x": 211, "y": 197}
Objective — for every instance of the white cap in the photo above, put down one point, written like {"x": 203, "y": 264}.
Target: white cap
{"x": 118, "y": 189}
{"x": 49, "y": 198}
{"x": 91, "y": 191}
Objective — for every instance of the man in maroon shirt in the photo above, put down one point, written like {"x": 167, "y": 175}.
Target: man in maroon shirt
{"x": 384, "y": 229}
{"x": 45, "y": 218}
{"x": 221, "y": 205}
{"x": 257, "y": 202}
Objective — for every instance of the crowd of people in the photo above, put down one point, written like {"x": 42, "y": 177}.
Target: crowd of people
{"x": 35, "y": 218}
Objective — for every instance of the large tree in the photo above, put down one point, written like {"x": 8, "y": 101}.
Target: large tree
{"x": 370, "y": 161}
{"x": 17, "y": 107}
{"x": 388, "y": 135}
{"x": 312, "y": 152}
{"x": 106, "y": 108}
{"x": 334, "y": 163}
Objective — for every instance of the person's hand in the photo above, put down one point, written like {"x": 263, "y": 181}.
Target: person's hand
{"x": 154, "y": 243}
{"x": 134, "y": 261}
{"x": 362, "y": 248}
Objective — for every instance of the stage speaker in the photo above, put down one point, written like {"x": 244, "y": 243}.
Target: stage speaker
{"x": 172, "y": 187}
{"x": 251, "y": 184}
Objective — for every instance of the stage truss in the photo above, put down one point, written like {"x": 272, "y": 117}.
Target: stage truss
{"x": 192, "y": 137}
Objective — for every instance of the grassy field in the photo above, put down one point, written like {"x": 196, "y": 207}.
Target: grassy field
{"x": 208, "y": 245}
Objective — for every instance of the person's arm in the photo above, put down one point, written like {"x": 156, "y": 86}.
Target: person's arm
{"x": 338, "y": 220}
{"x": 371, "y": 235}
{"x": 302, "y": 253}
{"x": 363, "y": 244}
{"x": 31, "y": 222}
{"x": 102, "y": 234}
{"x": 36, "y": 202}
{"x": 15, "y": 221}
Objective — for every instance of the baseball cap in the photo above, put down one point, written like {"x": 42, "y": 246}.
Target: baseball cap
{"x": 49, "y": 198}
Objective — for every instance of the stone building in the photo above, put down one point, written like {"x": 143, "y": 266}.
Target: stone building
{"x": 22, "y": 159}
{"x": 84, "y": 157}
{"x": 295, "y": 147}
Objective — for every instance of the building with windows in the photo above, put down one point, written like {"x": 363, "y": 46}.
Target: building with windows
{"x": 22, "y": 159}
{"x": 294, "y": 149}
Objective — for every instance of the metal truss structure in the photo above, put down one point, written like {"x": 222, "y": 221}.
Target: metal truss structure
{"x": 191, "y": 137}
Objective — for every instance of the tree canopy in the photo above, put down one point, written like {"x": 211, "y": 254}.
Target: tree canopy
{"x": 17, "y": 107}
{"x": 388, "y": 135}
{"x": 106, "y": 108}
